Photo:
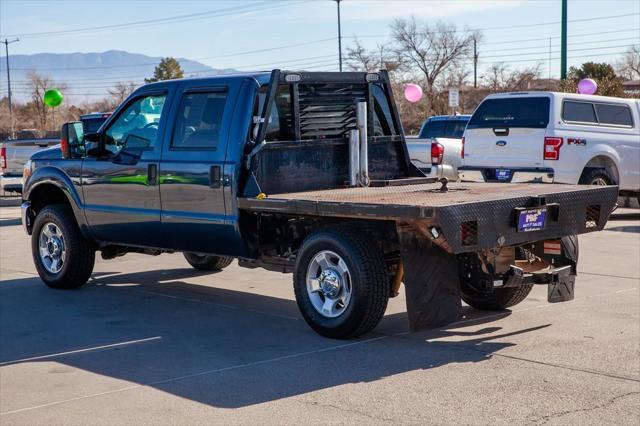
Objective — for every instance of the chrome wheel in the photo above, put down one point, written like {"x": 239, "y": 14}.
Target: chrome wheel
{"x": 52, "y": 247}
{"x": 599, "y": 181}
{"x": 329, "y": 284}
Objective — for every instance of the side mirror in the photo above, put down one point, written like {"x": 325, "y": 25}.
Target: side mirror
{"x": 72, "y": 142}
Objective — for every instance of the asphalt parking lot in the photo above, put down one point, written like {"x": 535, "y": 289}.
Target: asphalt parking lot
{"x": 150, "y": 341}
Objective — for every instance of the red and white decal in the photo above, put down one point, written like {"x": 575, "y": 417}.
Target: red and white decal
{"x": 553, "y": 247}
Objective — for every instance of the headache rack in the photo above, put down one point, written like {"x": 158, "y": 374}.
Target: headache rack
{"x": 321, "y": 112}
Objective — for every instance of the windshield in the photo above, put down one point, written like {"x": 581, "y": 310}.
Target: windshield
{"x": 443, "y": 129}
{"x": 511, "y": 112}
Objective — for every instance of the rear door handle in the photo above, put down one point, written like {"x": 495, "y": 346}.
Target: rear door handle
{"x": 214, "y": 177}
{"x": 152, "y": 174}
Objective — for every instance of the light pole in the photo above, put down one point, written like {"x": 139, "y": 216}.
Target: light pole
{"x": 563, "y": 42}
{"x": 6, "y": 50}
{"x": 339, "y": 35}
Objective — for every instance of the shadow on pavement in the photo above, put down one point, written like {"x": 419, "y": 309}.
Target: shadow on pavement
{"x": 219, "y": 347}
{"x": 624, "y": 216}
{"x": 631, "y": 228}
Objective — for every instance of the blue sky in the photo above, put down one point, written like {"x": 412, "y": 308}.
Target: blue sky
{"x": 247, "y": 26}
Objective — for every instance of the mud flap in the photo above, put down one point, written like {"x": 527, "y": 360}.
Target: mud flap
{"x": 562, "y": 290}
{"x": 431, "y": 280}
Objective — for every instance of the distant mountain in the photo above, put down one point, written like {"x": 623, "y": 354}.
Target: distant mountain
{"x": 89, "y": 75}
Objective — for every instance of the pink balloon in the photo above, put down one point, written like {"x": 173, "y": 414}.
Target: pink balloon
{"x": 587, "y": 87}
{"x": 412, "y": 92}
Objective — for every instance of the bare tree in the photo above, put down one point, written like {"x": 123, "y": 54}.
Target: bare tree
{"x": 43, "y": 116}
{"x": 629, "y": 67}
{"x": 38, "y": 85}
{"x": 431, "y": 50}
{"x": 358, "y": 58}
{"x": 120, "y": 92}
{"x": 500, "y": 78}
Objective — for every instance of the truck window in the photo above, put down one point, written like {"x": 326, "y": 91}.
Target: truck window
{"x": 452, "y": 129}
{"x": 199, "y": 121}
{"x": 581, "y": 112}
{"x": 137, "y": 125}
{"x": 616, "y": 115}
{"x": 530, "y": 112}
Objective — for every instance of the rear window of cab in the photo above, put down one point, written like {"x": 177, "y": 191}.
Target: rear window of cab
{"x": 529, "y": 112}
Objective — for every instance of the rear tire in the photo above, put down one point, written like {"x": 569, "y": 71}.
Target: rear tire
{"x": 500, "y": 299}
{"x": 597, "y": 176}
{"x": 63, "y": 258}
{"x": 341, "y": 283}
{"x": 203, "y": 262}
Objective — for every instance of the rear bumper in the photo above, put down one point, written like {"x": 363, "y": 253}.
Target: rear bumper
{"x": 518, "y": 175}
{"x": 441, "y": 171}
{"x": 11, "y": 183}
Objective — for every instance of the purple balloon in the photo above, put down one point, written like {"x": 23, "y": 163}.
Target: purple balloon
{"x": 412, "y": 92}
{"x": 587, "y": 87}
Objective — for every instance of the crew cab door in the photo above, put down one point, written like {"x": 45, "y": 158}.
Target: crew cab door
{"x": 191, "y": 172}
{"x": 120, "y": 186}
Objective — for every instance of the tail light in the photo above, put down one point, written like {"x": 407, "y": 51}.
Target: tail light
{"x": 552, "y": 148}
{"x": 3, "y": 156}
{"x": 437, "y": 152}
{"x": 64, "y": 145}
{"x": 462, "y": 149}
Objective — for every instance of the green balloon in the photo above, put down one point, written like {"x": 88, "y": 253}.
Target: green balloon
{"x": 53, "y": 98}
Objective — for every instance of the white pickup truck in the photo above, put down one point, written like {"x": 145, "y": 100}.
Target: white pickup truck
{"x": 14, "y": 153}
{"x": 436, "y": 149}
{"x": 554, "y": 137}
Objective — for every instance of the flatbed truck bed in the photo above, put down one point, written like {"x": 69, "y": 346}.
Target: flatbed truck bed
{"x": 573, "y": 209}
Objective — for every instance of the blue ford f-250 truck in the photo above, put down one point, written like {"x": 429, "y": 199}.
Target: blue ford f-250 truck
{"x": 305, "y": 173}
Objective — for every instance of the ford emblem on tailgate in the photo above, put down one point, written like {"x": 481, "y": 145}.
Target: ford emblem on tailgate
{"x": 501, "y": 143}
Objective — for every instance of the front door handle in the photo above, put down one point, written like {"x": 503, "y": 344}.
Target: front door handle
{"x": 214, "y": 177}
{"x": 152, "y": 174}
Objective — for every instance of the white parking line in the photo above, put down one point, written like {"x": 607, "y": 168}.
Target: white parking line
{"x": 78, "y": 351}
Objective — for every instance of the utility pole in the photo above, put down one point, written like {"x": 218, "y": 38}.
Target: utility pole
{"x": 6, "y": 50}
{"x": 475, "y": 63}
{"x": 339, "y": 35}
{"x": 563, "y": 43}
{"x": 549, "y": 64}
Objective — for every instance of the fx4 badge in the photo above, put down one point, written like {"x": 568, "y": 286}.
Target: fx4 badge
{"x": 576, "y": 141}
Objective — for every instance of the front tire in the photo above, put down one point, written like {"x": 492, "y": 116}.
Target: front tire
{"x": 341, "y": 283}
{"x": 63, "y": 258}
{"x": 203, "y": 262}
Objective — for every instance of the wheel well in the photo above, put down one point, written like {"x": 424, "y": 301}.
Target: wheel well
{"x": 277, "y": 238}
{"x": 46, "y": 194}
{"x": 602, "y": 162}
